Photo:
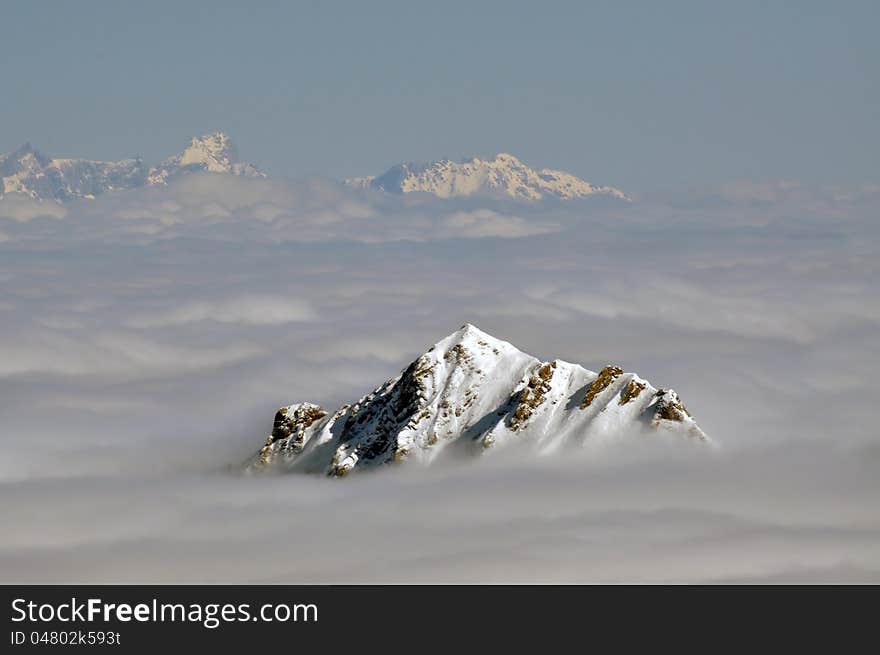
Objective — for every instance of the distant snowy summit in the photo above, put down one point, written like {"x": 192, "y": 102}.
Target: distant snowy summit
{"x": 469, "y": 394}
{"x": 213, "y": 153}
{"x": 30, "y": 172}
{"x": 505, "y": 175}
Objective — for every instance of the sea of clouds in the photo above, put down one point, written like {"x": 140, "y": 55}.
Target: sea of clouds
{"x": 147, "y": 338}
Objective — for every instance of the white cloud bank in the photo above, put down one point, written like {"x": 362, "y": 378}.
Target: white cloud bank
{"x": 147, "y": 339}
{"x": 246, "y": 310}
{"x": 21, "y": 208}
{"x": 273, "y": 210}
{"x": 756, "y": 516}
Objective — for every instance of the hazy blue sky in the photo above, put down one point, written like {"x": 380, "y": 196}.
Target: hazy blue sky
{"x": 641, "y": 95}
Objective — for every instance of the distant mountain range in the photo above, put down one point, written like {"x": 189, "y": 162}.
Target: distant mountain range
{"x": 471, "y": 393}
{"x": 505, "y": 175}
{"x": 30, "y": 172}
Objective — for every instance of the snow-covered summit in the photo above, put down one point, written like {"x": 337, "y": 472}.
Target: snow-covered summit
{"x": 471, "y": 393}
{"x": 28, "y": 171}
{"x": 503, "y": 175}
{"x": 213, "y": 153}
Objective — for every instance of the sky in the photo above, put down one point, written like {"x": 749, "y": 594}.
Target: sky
{"x": 643, "y": 96}
{"x": 148, "y": 336}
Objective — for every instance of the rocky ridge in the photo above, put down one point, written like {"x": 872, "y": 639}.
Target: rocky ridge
{"x": 469, "y": 394}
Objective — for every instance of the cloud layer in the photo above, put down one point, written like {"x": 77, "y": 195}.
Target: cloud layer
{"x": 148, "y": 337}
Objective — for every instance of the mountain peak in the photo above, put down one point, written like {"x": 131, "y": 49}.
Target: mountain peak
{"x": 507, "y": 157}
{"x": 470, "y": 393}
{"x": 471, "y": 337}
{"x": 215, "y": 150}
{"x": 217, "y": 136}
{"x": 469, "y": 330}
{"x": 504, "y": 175}
{"x": 212, "y": 153}
{"x": 24, "y": 151}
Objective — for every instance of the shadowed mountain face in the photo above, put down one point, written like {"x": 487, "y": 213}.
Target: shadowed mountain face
{"x": 504, "y": 176}
{"x": 29, "y": 172}
{"x": 471, "y": 393}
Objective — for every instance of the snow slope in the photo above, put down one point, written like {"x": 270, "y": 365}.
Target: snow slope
{"x": 28, "y": 171}
{"x": 471, "y": 393}
{"x": 504, "y": 175}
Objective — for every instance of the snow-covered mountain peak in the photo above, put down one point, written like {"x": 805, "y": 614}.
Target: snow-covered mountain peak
{"x": 469, "y": 334}
{"x": 470, "y": 393}
{"x": 215, "y": 151}
{"x": 503, "y": 175}
{"x": 212, "y": 153}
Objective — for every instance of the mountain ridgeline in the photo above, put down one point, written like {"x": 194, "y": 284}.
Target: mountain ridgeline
{"x": 471, "y": 394}
{"x": 502, "y": 176}
{"x": 30, "y": 172}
